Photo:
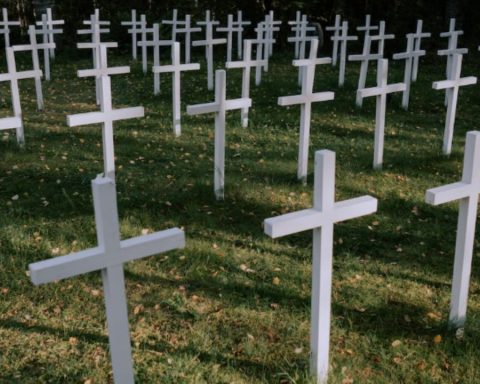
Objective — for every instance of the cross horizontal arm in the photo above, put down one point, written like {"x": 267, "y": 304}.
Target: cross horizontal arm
{"x": 173, "y": 68}
{"x": 95, "y": 259}
{"x": 407, "y": 55}
{"x": 199, "y": 43}
{"x": 362, "y": 57}
{"x": 450, "y": 192}
{"x": 307, "y": 62}
{"x": 49, "y": 31}
{"x": 445, "y": 84}
{"x": 96, "y": 45}
{"x": 89, "y": 31}
{"x": 29, "y": 47}
{"x": 199, "y": 109}
{"x": 103, "y": 71}
{"x": 10, "y": 122}
{"x": 100, "y": 117}
{"x": 303, "y": 99}
{"x": 311, "y": 218}
{"x": 451, "y": 33}
{"x": 244, "y": 64}
{"x": 21, "y": 75}
{"x": 376, "y": 91}
{"x": 446, "y": 52}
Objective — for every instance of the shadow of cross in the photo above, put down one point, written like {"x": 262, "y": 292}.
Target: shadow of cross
{"x": 321, "y": 219}
{"x": 467, "y": 192}
{"x": 109, "y": 257}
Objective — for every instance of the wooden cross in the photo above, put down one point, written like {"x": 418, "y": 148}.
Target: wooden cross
{"x": 188, "y": 30}
{"x": 174, "y": 23}
{"x": 380, "y": 91}
{"x": 419, "y": 35}
{"x": 209, "y": 42}
{"x": 176, "y": 68}
{"x": 133, "y": 24}
{"x": 107, "y": 115}
{"x": 409, "y": 56}
{"x": 156, "y": 43}
{"x": 295, "y": 28}
{"x": 109, "y": 257}
{"x": 336, "y": 29}
{"x": 467, "y": 192}
{"x": 305, "y": 99}
{"x": 367, "y": 28}
{"x": 367, "y": 56}
{"x": 208, "y": 21}
{"x": 143, "y": 30}
{"x": 240, "y": 23}
{"x": 302, "y": 38}
{"x": 47, "y": 33}
{"x": 34, "y": 47}
{"x": 4, "y": 27}
{"x": 452, "y": 85}
{"x": 51, "y": 23}
{"x": 260, "y": 42}
{"x": 452, "y": 49}
{"x": 271, "y": 26}
{"x": 321, "y": 220}
{"x": 220, "y": 106}
{"x": 13, "y": 76}
{"x": 246, "y": 65}
{"x": 343, "y": 38}
{"x": 229, "y": 29}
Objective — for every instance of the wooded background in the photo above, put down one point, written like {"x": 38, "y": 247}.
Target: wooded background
{"x": 400, "y": 15}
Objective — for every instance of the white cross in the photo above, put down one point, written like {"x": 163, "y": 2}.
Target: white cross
{"x": 452, "y": 85}
{"x": 336, "y": 29}
{"x": 156, "y": 43}
{"x": 174, "y": 23}
{"x": 107, "y": 115}
{"x": 188, "y": 30}
{"x": 452, "y": 49}
{"x": 260, "y": 43}
{"x": 240, "y": 23}
{"x": 367, "y": 28}
{"x": 208, "y": 21}
{"x": 51, "y": 23}
{"x": 13, "y": 76}
{"x": 4, "y": 24}
{"x": 95, "y": 31}
{"x": 176, "y": 68}
{"x": 367, "y": 56}
{"x": 409, "y": 56}
{"x": 220, "y": 106}
{"x": 271, "y": 26}
{"x": 143, "y": 30}
{"x": 133, "y": 24}
{"x": 343, "y": 38}
{"x": 47, "y": 33}
{"x": 229, "y": 29}
{"x": 34, "y": 47}
{"x": 246, "y": 65}
{"x": 419, "y": 35}
{"x": 467, "y": 192}
{"x": 109, "y": 257}
{"x": 294, "y": 27}
{"x": 302, "y": 29}
{"x": 321, "y": 220}
{"x": 209, "y": 42}
{"x": 305, "y": 99}
{"x": 380, "y": 91}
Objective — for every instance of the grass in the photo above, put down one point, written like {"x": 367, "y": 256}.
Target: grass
{"x": 234, "y": 305}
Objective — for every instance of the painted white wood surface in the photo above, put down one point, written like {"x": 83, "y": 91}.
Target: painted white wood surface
{"x": 321, "y": 219}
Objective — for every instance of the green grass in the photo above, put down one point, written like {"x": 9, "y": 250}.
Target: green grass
{"x": 197, "y": 315}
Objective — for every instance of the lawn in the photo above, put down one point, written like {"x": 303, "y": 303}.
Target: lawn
{"x": 234, "y": 305}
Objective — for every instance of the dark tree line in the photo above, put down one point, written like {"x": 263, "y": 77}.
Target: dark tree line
{"x": 400, "y": 15}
